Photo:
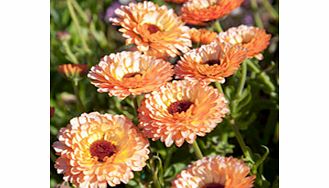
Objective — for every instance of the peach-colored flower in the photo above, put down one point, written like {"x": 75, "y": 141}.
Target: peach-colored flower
{"x": 198, "y": 12}
{"x": 73, "y": 70}
{"x": 254, "y": 39}
{"x": 212, "y": 62}
{"x": 202, "y": 36}
{"x": 181, "y": 110}
{"x": 215, "y": 172}
{"x": 155, "y": 30}
{"x": 99, "y": 149}
{"x": 128, "y": 73}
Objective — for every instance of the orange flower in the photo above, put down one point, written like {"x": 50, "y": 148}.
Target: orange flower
{"x": 73, "y": 70}
{"x": 128, "y": 73}
{"x": 202, "y": 36}
{"x": 176, "y": 1}
{"x": 197, "y": 12}
{"x": 155, "y": 30}
{"x": 180, "y": 111}
{"x": 96, "y": 150}
{"x": 212, "y": 62}
{"x": 254, "y": 39}
{"x": 215, "y": 172}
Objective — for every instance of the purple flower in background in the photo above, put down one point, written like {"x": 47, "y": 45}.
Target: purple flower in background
{"x": 248, "y": 19}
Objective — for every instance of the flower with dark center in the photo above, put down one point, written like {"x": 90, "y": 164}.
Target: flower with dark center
{"x": 210, "y": 63}
{"x": 130, "y": 73}
{"x": 213, "y": 185}
{"x": 180, "y": 111}
{"x": 97, "y": 150}
{"x": 155, "y": 30}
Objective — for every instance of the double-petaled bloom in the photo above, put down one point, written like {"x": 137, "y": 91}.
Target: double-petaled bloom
{"x": 128, "y": 73}
{"x": 198, "y": 12}
{"x": 156, "y": 31}
{"x": 99, "y": 149}
{"x": 180, "y": 111}
{"x": 215, "y": 172}
{"x": 212, "y": 62}
{"x": 202, "y": 36}
{"x": 254, "y": 39}
{"x": 73, "y": 70}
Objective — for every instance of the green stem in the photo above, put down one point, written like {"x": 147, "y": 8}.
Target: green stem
{"x": 219, "y": 87}
{"x": 258, "y": 20}
{"x": 77, "y": 25}
{"x": 168, "y": 156}
{"x": 156, "y": 181}
{"x": 242, "y": 80}
{"x": 69, "y": 53}
{"x": 80, "y": 105}
{"x": 270, "y": 9}
{"x": 217, "y": 26}
{"x": 80, "y": 11}
{"x": 239, "y": 138}
{"x": 197, "y": 150}
{"x": 262, "y": 75}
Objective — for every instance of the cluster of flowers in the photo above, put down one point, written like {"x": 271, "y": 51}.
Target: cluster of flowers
{"x": 99, "y": 149}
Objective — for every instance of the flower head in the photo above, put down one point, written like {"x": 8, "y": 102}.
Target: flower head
{"x": 215, "y": 172}
{"x": 198, "y": 12}
{"x": 96, "y": 150}
{"x": 212, "y": 62}
{"x": 254, "y": 39}
{"x": 155, "y": 30}
{"x": 73, "y": 70}
{"x": 181, "y": 110}
{"x": 128, "y": 73}
{"x": 202, "y": 36}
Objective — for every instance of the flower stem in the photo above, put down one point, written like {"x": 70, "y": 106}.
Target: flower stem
{"x": 80, "y": 11}
{"x": 262, "y": 76}
{"x": 258, "y": 20}
{"x": 219, "y": 87}
{"x": 242, "y": 80}
{"x": 270, "y": 9}
{"x": 217, "y": 26}
{"x": 69, "y": 53}
{"x": 197, "y": 150}
{"x": 239, "y": 138}
{"x": 77, "y": 25}
{"x": 80, "y": 105}
{"x": 135, "y": 101}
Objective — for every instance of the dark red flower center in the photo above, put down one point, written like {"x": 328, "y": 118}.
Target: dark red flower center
{"x": 213, "y": 185}
{"x": 152, "y": 28}
{"x": 102, "y": 149}
{"x": 179, "y": 106}
{"x": 213, "y": 62}
{"x": 132, "y": 74}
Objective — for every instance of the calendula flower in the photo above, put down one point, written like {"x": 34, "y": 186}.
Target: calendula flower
{"x": 155, "y": 30}
{"x": 73, "y": 70}
{"x": 181, "y": 110}
{"x": 202, "y": 36}
{"x": 198, "y": 12}
{"x": 212, "y": 62}
{"x": 176, "y": 1}
{"x": 215, "y": 172}
{"x": 254, "y": 39}
{"x": 96, "y": 150}
{"x": 128, "y": 73}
